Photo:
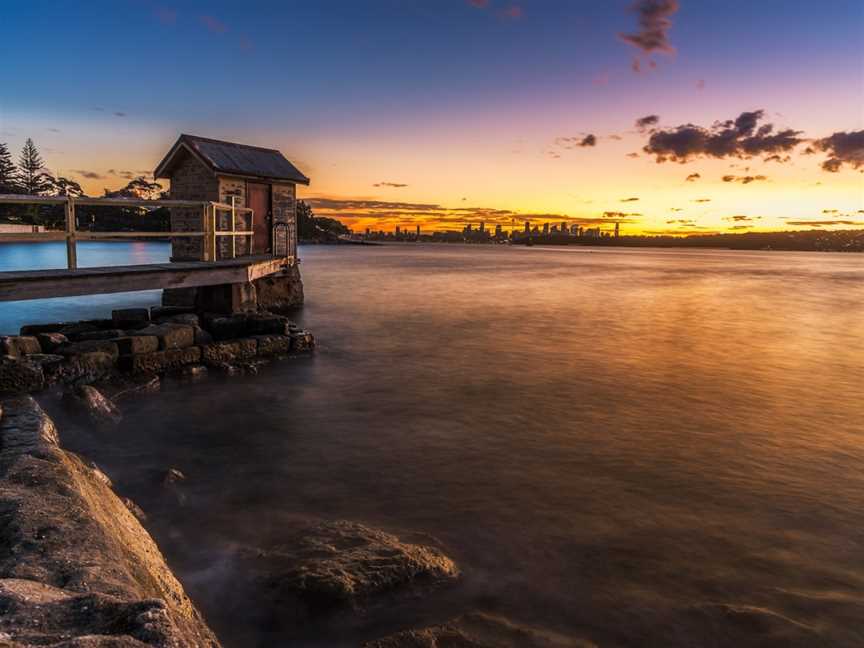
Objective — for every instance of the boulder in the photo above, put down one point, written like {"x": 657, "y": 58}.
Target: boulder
{"x": 131, "y": 344}
{"x": 50, "y": 341}
{"x": 230, "y": 351}
{"x": 19, "y": 375}
{"x": 130, "y": 318}
{"x": 202, "y": 337}
{"x": 135, "y": 510}
{"x": 77, "y": 568}
{"x": 189, "y": 319}
{"x": 344, "y": 562}
{"x": 193, "y": 372}
{"x": 122, "y": 386}
{"x": 88, "y": 402}
{"x": 281, "y": 292}
{"x": 479, "y": 630}
{"x": 171, "y": 336}
{"x": 302, "y": 341}
{"x": 160, "y": 361}
{"x": 267, "y": 324}
{"x": 226, "y": 327}
{"x": 269, "y": 345}
{"x": 19, "y": 345}
{"x": 50, "y": 364}
{"x": 85, "y": 367}
{"x": 106, "y": 334}
{"x": 108, "y": 347}
{"x": 35, "y": 329}
{"x": 158, "y": 312}
{"x": 74, "y": 329}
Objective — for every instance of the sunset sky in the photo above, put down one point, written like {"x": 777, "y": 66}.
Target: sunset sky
{"x": 445, "y": 112}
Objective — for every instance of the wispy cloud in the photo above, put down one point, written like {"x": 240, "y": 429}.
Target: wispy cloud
{"x": 645, "y": 123}
{"x": 693, "y": 177}
{"x": 629, "y": 199}
{"x": 90, "y": 175}
{"x": 212, "y": 24}
{"x": 843, "y": 148}
{"x": 395, "y": 185}
{"x": 654, "y": 18}
{"x": 744, "y": 179}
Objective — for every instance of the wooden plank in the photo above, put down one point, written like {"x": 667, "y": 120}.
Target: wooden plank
{"x": 41, "y": 284}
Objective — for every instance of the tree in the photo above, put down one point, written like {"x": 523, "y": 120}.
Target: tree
{"x": 8, "y": 172}
{"x": 65, "y": 187}
{"x": 139, "y": 188}
{"x": 34, "y": 181}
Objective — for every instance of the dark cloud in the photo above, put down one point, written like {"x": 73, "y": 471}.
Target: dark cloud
{"x": 744, "y": 179}
{"x": 644, "y": 123}
{"x": 480, "y": 4}
{"x": 693, "y": 177}
{"x": 701, "y": 200}
{"x": 829, "y": 211}
{"x": 127, "y": 175}
{"x": 617, "y": 214}
{"x": 700, "y": 84}
{"x": 681, "y": 221}
{"x": 629, "y": 199}
{"x": 54, "y": 130}
{"x": 843, "y": 149}
{"x": 90, "y": 175}
{"x": 633, "y": 155}
{"x": 741, "y": 217}
{"x": 573, "y": 142}
{"x": 822, "y": 223}
{"x": 739, "y": 138}
{"x": 617, "y": 138}
{"x": 513, "y": 11}
{"x": 213, "y": 24}
{"x": 778, "y": 158}
{"x": 119, "y": 114}
{"x": 395, "y": 185}
{"x": 676, "y": 209}
{"x": 654, "y": 25}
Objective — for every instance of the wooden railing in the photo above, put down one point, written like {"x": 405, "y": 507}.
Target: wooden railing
{"x": 71, "y": 234}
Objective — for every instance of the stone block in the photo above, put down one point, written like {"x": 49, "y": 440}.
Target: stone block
{"x": 132, "y": 344}
{"x": 85, "y": 367}
{"x": 227, "y": 327}
{"x": 19, "y": 345}
{"x": 230, "y": 351}
{"x": 160, "y": 361}
{"x": 108, "y": 334}
{"x": 267, "y": 324}
{"x": 19, "y": 375}
{"x": 159, "y": 312}
{"x": 126, "y": 318}
{"x": 273, "y": 344}
{"x": 189, "y": 319}
{"x": 107, "y": 347}
{"x": 302, "y": 341}
{"x": 50, "y": 341}
{"x": 34, "y": 329}
{"x": 171, "y": 336}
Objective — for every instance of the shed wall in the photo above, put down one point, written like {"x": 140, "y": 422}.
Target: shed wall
{"x": 191, "y": 180}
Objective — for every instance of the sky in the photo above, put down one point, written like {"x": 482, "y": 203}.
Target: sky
{"x": 665, "y": 116}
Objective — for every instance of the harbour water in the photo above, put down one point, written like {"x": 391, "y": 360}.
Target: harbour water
{"x": 631, "y": 447}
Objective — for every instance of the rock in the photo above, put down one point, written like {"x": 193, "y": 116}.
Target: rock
{"x": 77, "y": 568}
{"x": 251, "y": 367}
{"x": 226, "y": 368}
{"x": 86, "y": 367}
{"x": 134, "y": 509}
{"x": 19, "y": 375}
{"x": 122, "y": 387}
{"x": 230, "y": 351}
{"x": 281, "y": 292}
{"x": 35, "y": 329}
{"x": 132, "y": 344}
{"x": 75, "y": 329}
{"x": 269, "y": 345}
{"x": 479, "y": 630}
{"x": 130, "y": 318}
{"x": 267, "y": 324}
{"x": 89, "y": 402}
{"x": 226, "y": 327}
{"x": 202, "y": 337}
{"x": 302, "y": 341}
{"x": 107, "y": 334}
{"x": 171, "y": 336}
{"x": 108, "y": 347}
{"x": 193, "y": 372}
{"x": 158, "y": 312}
{"x": 50, "y": 341}
{"x": 173, "y": 476}
{"x": 342, "y": 562}
{"x": 19, "y": 345}
{"x": 189, "y": 319}
{"x": 160, "y": 361}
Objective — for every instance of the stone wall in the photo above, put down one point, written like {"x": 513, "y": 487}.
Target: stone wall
{"x": 191, "y": 180}
{"x": 285, "y": 211}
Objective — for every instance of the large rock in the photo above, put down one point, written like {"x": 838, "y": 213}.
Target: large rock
{"x": 130, "y": 318}
{"x": 280, "y": 292}
{"x": 19, "y": 375}
{"x": 88, "y": 402}
{"x": 268, "y": 324}
{"x": 344, "y": 562}
{"x": 19, "y": 345}
{"x": 302, "y": 341}
{"x": 84, "y": 367}
{"x": 123, "y": 386}
{"x": 35, "y": 329}
{"x": 160, "y": 361}
{"x": 269, "y": 345}
{"x": 132, "y": 344}
{"x": 171, "y": 336}
{"x": 230, "y": 351}
{"x": 50, "y": 341}
{"x": 102, "y": 334}
{"x": 107, "y": 347}
{"x": 479, "y": 630}
{"x": 77, "y": 568}
{"x": 226, "y": 327}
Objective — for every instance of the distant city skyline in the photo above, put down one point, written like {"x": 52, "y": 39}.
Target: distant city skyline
{"x": 643, "y": 114}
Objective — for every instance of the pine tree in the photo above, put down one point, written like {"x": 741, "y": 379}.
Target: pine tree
{"x": 8, "y": 172}
{"x": 65, "y": 187}
{"x": 34, "y": 181}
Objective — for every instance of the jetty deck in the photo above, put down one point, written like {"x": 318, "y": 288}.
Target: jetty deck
{"x": 209, "y": 270}
{"x": 41, "y": 284}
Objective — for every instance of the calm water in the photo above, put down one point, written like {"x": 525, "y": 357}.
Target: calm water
{"x": 611, "y": 443}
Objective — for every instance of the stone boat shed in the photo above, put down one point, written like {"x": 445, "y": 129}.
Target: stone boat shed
{"x": 262, "y": 179}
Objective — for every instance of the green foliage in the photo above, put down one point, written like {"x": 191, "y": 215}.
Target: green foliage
{"x": 8, "y": 172}
{"x": 317, "y": 228}
{"x": 32, "y": 177}
{"x": 139, "y": 188}
{"x": 64, "y": 187}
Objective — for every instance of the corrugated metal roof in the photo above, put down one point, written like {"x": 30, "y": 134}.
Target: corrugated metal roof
{"x": 228, "y": 157}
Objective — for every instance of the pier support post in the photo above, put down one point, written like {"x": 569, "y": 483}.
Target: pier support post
{"x": 227, "y": 298}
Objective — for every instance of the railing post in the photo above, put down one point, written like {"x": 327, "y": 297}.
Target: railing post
{"x": 71, "y": 248}
{"x": 233, "y": 229}
{"x": 213, "y": 239}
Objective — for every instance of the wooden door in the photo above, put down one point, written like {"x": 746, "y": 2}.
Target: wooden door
{"x": 258, "y": 199}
